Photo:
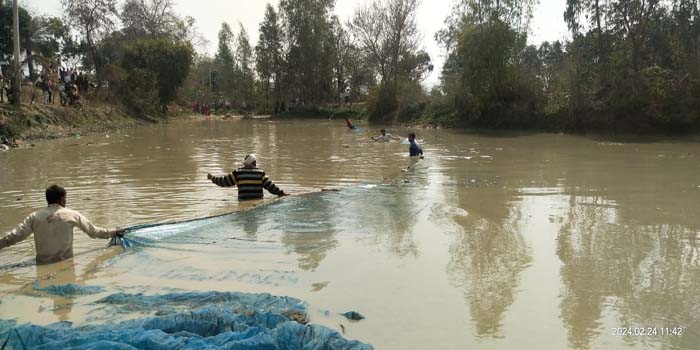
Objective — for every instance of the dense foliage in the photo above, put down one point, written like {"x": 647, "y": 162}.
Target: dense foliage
{"x": 630, "y": 65}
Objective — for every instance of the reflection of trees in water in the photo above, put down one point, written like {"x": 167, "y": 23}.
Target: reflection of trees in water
{"x": 649, "y": 274}
{"x": 389, "y": 213}
{"x": 308, "y": 228}
{"x": 488, "y": 257}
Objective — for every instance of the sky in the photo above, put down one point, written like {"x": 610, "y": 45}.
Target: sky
{"x": 547, "y": 23}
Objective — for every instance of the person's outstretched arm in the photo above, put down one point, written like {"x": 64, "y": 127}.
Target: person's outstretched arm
{"x": 19, "y": 234}
{"x": 271, "y": 187}
{"x": 224, "y": 181}
{"x": 94, "y": 231}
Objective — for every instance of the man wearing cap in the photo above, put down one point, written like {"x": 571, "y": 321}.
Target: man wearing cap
{"x": 249, "y": 179}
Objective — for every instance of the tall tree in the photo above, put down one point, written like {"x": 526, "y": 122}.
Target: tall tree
{"x": 308, "y": 69}
{"x": 94, "y": 19}
{"x": 268, "y": 54}
{"x": 6, "y": 31}
{"x": 150, "y": 17}
{"x": 225, "y": 59}
{"x": 342, "y": 51}
{"x": 244, "y": 57}
{"x": 386, "y": 31}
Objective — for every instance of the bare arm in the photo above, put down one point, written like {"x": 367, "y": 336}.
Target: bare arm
{"x": 19, "y": 234}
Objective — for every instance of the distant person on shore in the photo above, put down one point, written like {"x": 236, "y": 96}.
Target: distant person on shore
{"x": 249, "y": 179}
{"x": 74, "y": 96}
{"x": 348, "y": 122}
{"x": 414, "y": 150}
{"x": 3, "y": 85}
{"x": 53, "y": 229}
{"x": 384, "y": 137}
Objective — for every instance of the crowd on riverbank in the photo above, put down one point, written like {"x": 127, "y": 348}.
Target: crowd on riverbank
{"x": 69, "y": 84}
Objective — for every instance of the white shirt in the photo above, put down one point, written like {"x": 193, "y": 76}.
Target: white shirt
{"x": 53, "y": 232}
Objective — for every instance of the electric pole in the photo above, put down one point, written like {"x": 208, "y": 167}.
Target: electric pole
{"x": 16, "y": 90}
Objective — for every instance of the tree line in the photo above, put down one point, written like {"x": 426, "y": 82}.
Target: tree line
{"x": 631, "y": 65}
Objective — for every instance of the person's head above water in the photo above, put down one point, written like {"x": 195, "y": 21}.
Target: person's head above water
{"x": 250, "y": 161}
{"x": 56, "y": 194}
{"x": 411, "y": 136}
{"x": 383, "y": 131}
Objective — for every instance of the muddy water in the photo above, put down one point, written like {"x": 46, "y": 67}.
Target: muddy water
{"x": 490, "y": 242}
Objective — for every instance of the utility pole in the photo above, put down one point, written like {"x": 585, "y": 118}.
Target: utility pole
{"x": 16, "y": 90}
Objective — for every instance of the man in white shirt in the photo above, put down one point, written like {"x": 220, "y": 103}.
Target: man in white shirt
{"x": 384, "y": 137}
{"x": 53, "y": 229}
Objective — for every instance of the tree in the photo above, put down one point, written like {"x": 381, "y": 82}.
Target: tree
{"x": 268, "y": 54}
{"x": 386, "y": 31}
{"x": 156, "y": 62}
{"x": 244, "y": 57}
{"x": 6, "y": 31}
{"x": 94, "y": 19}
{"x": 387, "y": 34}
{"x": 307, "y": 56}
{"x": 342, "y": 51}
{"x": 225, "y": 59}
{"x": 149, "y": 17}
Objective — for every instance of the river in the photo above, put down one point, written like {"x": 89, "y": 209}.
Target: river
{"x": 493, "y": 241}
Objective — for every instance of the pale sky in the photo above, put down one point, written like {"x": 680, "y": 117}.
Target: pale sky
{"x": 547, "y": 24}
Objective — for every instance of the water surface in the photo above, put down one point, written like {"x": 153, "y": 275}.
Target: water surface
{"x": 490, "y": 242}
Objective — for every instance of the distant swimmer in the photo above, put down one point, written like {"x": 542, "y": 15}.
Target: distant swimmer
{"x": 53, "y": 229}
{"x": 349, "y": 124}
{"x": 414, "y": 150}
{"x": 249, "y": 179}
{"x": 384, "y": 137}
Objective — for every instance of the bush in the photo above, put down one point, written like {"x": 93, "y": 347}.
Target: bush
{"x": 381, "y": 104}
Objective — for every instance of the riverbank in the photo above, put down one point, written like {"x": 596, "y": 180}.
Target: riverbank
{"x": 41, "y": 121}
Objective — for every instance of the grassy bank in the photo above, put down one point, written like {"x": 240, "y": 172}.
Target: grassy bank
{"x": 41, "y": 121}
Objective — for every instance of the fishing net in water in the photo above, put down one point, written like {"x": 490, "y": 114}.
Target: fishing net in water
{"x": 205, "y": 320}
{"x": 218, "y": 320}
{"x": 309, "y": 216}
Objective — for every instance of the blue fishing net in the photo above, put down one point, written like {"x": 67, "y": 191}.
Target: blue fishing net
{"x": 207, "y": 320}
{"x": 67, "y": 290}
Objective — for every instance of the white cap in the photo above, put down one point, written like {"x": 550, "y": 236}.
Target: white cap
{"x": 249, "y": 160}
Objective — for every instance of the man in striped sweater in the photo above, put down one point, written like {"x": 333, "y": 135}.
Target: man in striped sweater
{"x": 249, "y": 179}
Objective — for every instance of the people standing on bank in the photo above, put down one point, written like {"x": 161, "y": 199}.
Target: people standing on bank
{"x": 414, "y": 149}
{"x": 53, "y": 229}
{"x": 249, "y": 179}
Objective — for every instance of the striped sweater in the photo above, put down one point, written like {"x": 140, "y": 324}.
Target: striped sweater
{"x": 250, "y": 183}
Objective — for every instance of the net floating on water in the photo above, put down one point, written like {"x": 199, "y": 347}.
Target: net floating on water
{"x": 212, "y": 326}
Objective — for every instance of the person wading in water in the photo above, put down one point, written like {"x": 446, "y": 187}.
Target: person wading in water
{"x": 53, "y": 229}
{"x": 414, "y": 150}
{"x": 249, "y": 179}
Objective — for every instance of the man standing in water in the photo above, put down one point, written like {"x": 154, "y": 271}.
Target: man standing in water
{"x": 414, "y": 150}
{"x": 249, "y": 179}
{"x": 384, "y": 137}
{"x": 53, "y": 229}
